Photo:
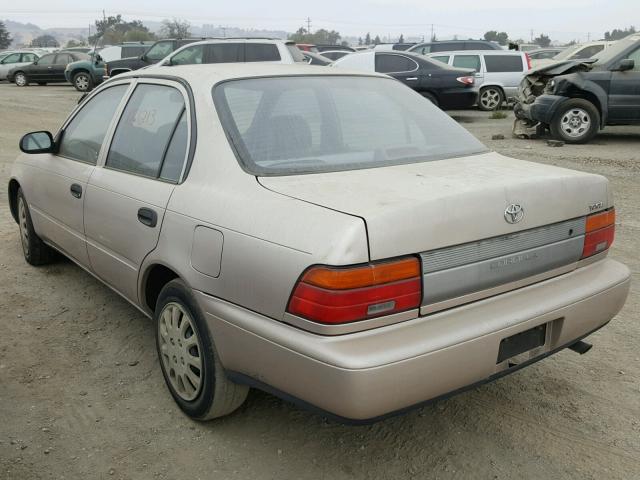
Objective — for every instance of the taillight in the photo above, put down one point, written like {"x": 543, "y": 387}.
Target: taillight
{"x": 334, "y": 295}
{"x": 599, "y": 232}
{"x": 528, "y": 61}
{"x": 466, "y": 80}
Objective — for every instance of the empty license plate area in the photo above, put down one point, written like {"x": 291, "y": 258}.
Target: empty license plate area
{"x": 522, "y": 342}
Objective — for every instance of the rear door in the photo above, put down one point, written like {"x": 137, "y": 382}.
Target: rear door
{"x": 56, "y": 72}
{"x": 399, "y": 67}
{"x": 504, "y": 70}
{"x": 261, "y": 52}
{"x": 128, "y": 193}
{"x": 624, "y": 93}
{"x": 472, "y": 62}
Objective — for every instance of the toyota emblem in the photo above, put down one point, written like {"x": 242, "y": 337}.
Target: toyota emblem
{"x": 514, "y": 213}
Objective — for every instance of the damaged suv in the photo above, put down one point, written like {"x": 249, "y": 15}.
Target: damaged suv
{"x": 575, "y": 99}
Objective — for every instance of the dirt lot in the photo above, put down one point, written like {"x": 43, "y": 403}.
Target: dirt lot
{"x": 82, "y": 396}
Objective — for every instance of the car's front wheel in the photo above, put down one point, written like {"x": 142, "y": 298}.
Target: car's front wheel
{"x": 36, "y": 252}
{"x": 577, "y": 121}
{"x": 490, "y": 98}
{"x": 188, "y": 358}
{"x": 21, "y": 79}
{"x": 82, "y": 82}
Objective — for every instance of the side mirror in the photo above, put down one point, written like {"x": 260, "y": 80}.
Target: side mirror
{"x": 626, "y": 64}
{"x": 37, "y": 142}
{"x": 143, "y": 57}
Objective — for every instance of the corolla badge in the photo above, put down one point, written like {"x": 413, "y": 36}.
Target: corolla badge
{"x": 514, "y": 213}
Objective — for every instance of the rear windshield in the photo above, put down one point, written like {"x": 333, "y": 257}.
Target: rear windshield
{"x": 296, "y": 125}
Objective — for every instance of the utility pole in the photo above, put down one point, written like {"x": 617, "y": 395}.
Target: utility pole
{"x": 308, "y": 25}
{"x": 224, "y": 32}
{"x": 431, "y": 39}
{"x": 532, "y": 35}
{"x": 588, "y": 37}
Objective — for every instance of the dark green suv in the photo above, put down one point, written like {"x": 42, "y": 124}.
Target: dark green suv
{"x": 86, "y": 74}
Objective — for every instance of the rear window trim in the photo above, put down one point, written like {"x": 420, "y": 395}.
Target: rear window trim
{"x": 223, "y": 115}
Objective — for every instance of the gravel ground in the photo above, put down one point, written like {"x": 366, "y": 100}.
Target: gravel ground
{"x": 82, "y": 396}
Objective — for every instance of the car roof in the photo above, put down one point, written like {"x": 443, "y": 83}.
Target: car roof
{"x": 475, "y": 52}
{"x": 206, "y": 75}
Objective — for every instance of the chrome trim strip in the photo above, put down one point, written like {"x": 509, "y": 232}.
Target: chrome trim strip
{"x": 450, "y": 257}
{"x": 352, "y": 327}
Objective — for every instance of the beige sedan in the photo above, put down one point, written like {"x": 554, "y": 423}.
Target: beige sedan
{"x": 327, "y": 236}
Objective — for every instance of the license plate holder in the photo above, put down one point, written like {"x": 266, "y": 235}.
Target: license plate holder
{"x": 521, "y": 342}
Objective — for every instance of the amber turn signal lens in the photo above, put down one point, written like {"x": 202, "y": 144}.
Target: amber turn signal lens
{"x": 365, "y": 276}
{"x": 600, "y": 220}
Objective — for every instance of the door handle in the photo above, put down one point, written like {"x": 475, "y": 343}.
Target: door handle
{"x": 148, "y": 217}
{"x": 76, "y": 190}
{"x": 412, "y": 78}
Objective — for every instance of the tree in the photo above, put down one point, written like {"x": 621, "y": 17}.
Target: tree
{"x": 360, "y": 42}
{"x": 113, "y": 30}
{"x": 494, "y": 36}
{"x": 320, "y": 37}
{"x": 401, "y": 39}
{"x": 5, "y": 37}
{"x": 543, "y": 40}
{"x": 367, "y": 39}
{"x": 616, "y": 34}
{"x": 175, "y": 29}
{"x": 377, "y": 41}
{"x": 45, "y": 41}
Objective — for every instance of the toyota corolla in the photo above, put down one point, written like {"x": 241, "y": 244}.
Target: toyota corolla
{"x": 327, "y": 236}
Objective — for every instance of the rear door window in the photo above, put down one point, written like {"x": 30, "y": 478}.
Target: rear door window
{"x": 503, "y": 63}
{"x": 148, "y": 123}
{"x": 467, "y": 61}
{"x": 261, "y": 52}
{"x": 46, "y": 60}
{"x": 63, "y": 59}
{"x": 386, "y": 63}
{"x": 223, "y": 53}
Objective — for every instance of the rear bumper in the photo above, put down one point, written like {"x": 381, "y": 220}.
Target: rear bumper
{"x": 457, "y": 98}
{"x": 370, "y": 374}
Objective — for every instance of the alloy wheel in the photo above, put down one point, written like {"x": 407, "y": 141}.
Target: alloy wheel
{"x": 181, "y": 351}
{"x": 20, "y": 79}
{"x": 24, "y": 230}
{"x": 576, "y": 122}
{"x": 82, "y": 82}
{"x": 490, "y": 98}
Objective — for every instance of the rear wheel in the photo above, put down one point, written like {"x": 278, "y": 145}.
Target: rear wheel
{"x": 577, "y": 121}
{"x": 188, "y": 358}
{"x": 36, "y": 252}
{"x": 82, "y": 82}
{"x": 490, "y": 98}
{"x": 20, "y": 79}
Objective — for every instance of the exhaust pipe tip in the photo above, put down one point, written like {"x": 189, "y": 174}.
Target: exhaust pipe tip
{"x": 580, "y": 347}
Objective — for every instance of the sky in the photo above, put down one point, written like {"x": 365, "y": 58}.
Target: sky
{"x": 562, "y": 20}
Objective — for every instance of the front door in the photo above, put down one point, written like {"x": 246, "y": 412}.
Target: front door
{"x": 624, "y": 93}
{"x": 39, "y": 72}
{"x": 59, "y": 181}
{"x": 127, "y": 196}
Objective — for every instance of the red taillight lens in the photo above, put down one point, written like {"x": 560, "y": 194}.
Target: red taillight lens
{"x": 599, "y": 232}
{"x": 342, "y": 295}
{"x": 528, "y": 61}
{"x": 466, "y": 80}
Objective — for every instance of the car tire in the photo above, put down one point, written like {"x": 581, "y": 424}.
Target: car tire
{"x": 36, "y": 252}
{"x": 432, "y": 98}
{"x": 82, "y": 82}
{"x": 576, "y": 121}
{"x": 490, "y": 99}
{"x": 21, "y": 79}
{"x": 188, "y": 358}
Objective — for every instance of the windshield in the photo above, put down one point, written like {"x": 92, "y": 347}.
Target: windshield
{"x": 296, "y": 125}
{"x": 616, "y": 49}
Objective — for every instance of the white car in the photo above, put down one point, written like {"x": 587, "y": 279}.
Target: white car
{"x": 498, "y": 72}
{"x": 236, "y": 50}
{"x": 576, "y": 52}
{"x": 16, "y": 59}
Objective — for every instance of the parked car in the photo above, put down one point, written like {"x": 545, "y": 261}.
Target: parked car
{"x": 86, "y": 50}
{"x": 527, "y": 47}
{"x": 16, "y": 59}
{"x": 154, "y": 54}
{"x": 394, "y": 46}
{"x": 446, "y": 87}
{"x": 453, "y": 45}
{"x": 86, "y": 74}
{"x": 498, "y": 73}
{"x": 47, "y": 69}
{"x": 307, "y": 47}
{"x": 332, "y": 47}
{"x": 576, "y": 52}
{"x": 335, "y": 54}
{"x": 233, "y": 50}
{"x": 316, "y": 59}
{"x": 329, "y": 237}
{"x": 544, "y": 53}
{"x": 575, "y": 99}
